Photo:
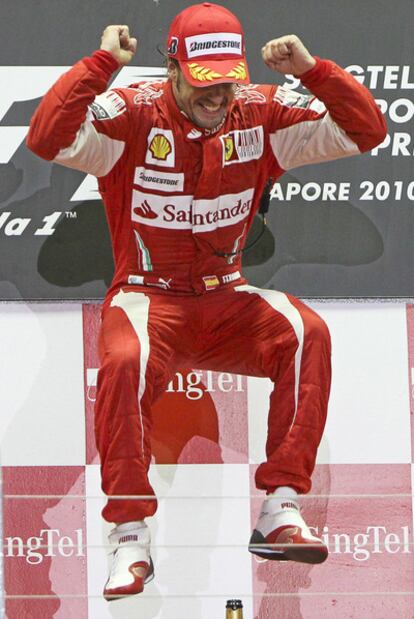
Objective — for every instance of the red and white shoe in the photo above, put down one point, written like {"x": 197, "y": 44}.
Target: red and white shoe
{"x": 132, "y": 566}
{"x": 281, "y": 534}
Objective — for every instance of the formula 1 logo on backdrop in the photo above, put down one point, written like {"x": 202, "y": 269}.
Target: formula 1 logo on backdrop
{"x": 15, "y": 226}
{"x": 22, "y": 89}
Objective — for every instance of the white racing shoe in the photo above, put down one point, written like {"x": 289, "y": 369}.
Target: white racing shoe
{"x": 281, "y": 534}
{"x": 131, "y": 566}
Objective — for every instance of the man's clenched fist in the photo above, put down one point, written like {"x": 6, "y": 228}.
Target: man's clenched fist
{"x": 116, "y": 41}
{"x": 288, "y": 55}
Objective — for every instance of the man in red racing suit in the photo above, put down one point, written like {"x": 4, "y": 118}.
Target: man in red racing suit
{"x": 181, "y": 166}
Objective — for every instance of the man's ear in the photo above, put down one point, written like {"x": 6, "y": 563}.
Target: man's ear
{"x": 172, "y": 71}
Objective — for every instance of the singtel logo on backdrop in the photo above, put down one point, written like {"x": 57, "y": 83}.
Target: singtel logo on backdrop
{"x": 193, "y": 385}
{"x": 375, "y": 540}
{"x": 49, "y": 543}
{"x": 196, "y": 382}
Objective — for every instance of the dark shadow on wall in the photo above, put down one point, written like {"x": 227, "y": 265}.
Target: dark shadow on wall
{"x": 312, "y": 233}
{"x": 80, "y": 250}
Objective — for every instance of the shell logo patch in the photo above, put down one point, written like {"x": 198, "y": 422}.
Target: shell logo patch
{"x": 160, "y": 147}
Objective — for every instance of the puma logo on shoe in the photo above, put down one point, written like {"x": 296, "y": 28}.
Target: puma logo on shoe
{"x": 128, "y": 538}
{"x": 289, "y": 505}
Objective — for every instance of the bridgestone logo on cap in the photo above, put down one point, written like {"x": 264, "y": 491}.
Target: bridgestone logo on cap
{"x": 214, "y": 43}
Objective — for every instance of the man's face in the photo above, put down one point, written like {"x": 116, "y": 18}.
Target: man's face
{"x": 205, "y": 106}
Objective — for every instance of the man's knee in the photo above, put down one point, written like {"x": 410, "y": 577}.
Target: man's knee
{"x": 122, "y": 358}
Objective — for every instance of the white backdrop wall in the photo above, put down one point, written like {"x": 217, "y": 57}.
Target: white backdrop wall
{"x": 209, "y": 432}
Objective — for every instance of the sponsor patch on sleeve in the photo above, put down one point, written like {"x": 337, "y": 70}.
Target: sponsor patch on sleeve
{"x": 249, "y": 94}
{"x": 293, "y": 99}
{"x": 107, "y": 105}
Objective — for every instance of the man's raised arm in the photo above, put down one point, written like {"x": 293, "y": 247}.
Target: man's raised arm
{"x": 303, "y": 133}
{"x": 61, "y": 129}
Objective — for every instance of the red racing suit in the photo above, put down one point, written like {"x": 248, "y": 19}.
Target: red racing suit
{"x": 177, "y": 197}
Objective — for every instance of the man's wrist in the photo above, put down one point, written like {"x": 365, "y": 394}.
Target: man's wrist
{"x": 310, "y": 64}
{"x": 317, "y": 74}
{"x": 103, "y": 60}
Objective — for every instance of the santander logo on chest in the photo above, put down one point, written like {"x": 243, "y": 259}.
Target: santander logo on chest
{"x": 182, "y": 212}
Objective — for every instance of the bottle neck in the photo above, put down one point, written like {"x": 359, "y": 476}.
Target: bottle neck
{"x": 234, "y": 614}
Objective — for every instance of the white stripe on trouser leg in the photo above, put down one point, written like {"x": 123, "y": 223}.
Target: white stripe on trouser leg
{"x": 280, "y": 303}
{"x": 136, "y": 307}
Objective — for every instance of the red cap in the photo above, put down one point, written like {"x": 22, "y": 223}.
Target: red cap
{"x": 207, "y": 40}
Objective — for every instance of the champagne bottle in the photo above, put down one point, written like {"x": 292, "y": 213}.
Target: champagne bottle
{"x": 234, "y": 609}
